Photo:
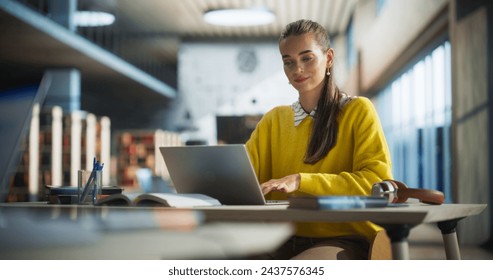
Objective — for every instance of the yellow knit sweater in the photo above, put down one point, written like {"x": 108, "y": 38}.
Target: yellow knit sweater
{"x": 359, "y": 159}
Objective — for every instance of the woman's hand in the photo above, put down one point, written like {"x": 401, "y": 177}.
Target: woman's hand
{"x": 286, "y": 184}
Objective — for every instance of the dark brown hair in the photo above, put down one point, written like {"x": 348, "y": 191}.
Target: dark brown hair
{"x": 324, "y": 132}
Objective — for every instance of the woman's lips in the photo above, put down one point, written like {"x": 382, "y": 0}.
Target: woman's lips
{"x": 301, "y": 79}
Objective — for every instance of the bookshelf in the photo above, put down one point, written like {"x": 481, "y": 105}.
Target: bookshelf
{"x": 59, "y": 144}
{"x": 139, "y": 149}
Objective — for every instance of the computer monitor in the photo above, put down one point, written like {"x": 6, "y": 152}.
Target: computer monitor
{"x": 16, "y": 107}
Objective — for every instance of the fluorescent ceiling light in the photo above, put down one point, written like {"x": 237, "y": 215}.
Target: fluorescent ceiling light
{"x": 91, "y": 18}
{"x": 239, "y": 17}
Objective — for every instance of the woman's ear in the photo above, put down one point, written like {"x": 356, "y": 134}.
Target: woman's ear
{"x": 330, "y": 57}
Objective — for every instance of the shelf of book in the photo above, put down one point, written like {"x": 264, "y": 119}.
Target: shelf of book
{"x": 58, "y": 144}
{"x": 139, "y": 149}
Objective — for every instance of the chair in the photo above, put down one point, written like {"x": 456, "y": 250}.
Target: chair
{"x": 380, "y": 247}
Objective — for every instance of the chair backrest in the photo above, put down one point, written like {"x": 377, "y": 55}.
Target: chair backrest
{"x": 380, "y": 247}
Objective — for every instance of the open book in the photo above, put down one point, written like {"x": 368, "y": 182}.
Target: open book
{"x": 159, "y": 199}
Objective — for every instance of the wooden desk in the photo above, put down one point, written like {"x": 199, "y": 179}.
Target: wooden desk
{"x": 398, "y": 221}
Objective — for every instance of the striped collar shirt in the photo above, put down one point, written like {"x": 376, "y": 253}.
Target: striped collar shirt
{"x": 299, "y": 113}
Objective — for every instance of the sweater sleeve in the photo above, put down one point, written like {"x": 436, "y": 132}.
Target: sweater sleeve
{"x": 252, "y": 146}
{"x": 370, "y": 160}
{"x": 258, "y": 147}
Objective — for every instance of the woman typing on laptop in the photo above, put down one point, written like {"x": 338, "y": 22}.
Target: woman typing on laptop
{"x": 326, "y": 143}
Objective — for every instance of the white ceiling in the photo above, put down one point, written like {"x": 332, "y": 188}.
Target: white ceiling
{"x": 156, "y": 27}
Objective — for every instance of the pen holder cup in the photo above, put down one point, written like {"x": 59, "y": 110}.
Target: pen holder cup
{"x": 89, "y": 186}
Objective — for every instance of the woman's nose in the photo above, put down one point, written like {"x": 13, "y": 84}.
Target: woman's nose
{"x": 298, "y": 68}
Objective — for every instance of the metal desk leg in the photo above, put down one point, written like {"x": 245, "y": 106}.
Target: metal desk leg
{"x": 450, "y": 241}
{"x": 398, "y": 236}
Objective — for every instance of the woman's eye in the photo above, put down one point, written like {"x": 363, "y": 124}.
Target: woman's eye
{"x": 288, "y": 63}
{"x": 307, "y": 58}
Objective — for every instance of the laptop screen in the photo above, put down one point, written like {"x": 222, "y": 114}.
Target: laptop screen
{"x": 15, "y": 114}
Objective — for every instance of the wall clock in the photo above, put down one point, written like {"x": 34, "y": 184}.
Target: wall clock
{"x": 246, "y": 60}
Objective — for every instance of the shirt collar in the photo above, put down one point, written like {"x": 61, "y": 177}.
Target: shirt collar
{"x": 299, "y": 113}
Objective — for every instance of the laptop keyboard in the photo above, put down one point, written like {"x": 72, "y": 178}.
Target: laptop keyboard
{"x": 277, "y": 202}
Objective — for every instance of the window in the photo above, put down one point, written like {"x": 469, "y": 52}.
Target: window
{"x": 350, "y": 45}
{"x": 380, "y": 4}
{"x": 416, "y": 111}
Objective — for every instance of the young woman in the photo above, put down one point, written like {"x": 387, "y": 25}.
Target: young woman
{"x": 326, "y": 143}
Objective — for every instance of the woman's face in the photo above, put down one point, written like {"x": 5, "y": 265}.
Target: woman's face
{"x": 305, "y": 62}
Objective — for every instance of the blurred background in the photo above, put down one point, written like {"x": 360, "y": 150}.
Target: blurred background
{"x": 130, "y": 76}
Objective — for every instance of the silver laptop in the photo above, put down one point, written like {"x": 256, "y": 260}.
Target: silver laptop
{"x": 223, "y": 172}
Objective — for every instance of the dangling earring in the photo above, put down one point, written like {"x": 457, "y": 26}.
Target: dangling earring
{"x": 328, "y": 72}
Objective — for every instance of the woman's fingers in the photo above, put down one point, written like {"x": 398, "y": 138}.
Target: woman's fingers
{"x": 287, "y": 184}
{"x": 267, "y": 187}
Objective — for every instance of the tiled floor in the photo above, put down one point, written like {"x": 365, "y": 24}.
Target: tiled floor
{"x": 425, "y": 243}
